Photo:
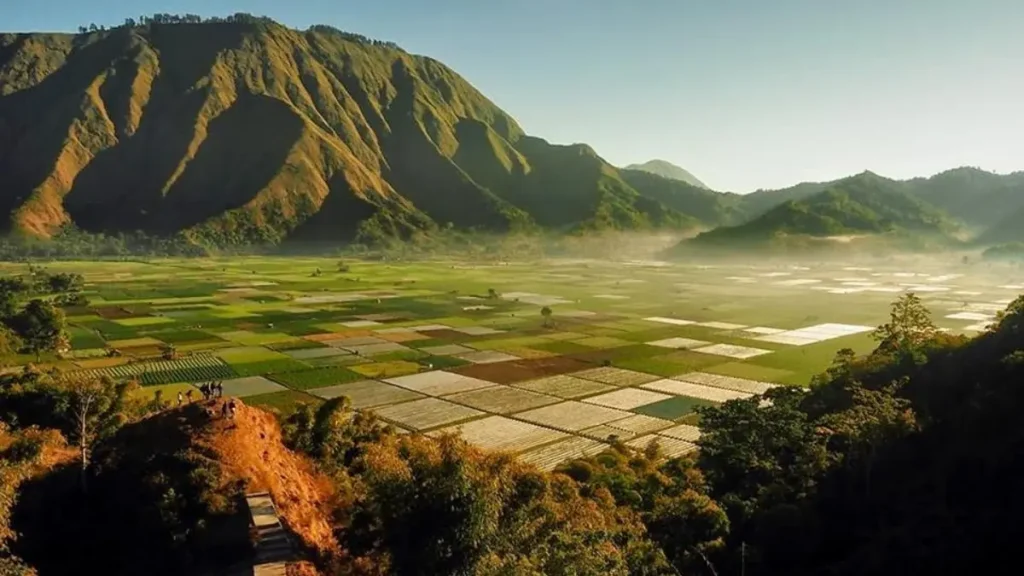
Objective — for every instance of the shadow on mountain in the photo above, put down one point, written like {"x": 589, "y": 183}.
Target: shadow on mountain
{"x": 37, "y": 119}
{"x": 252, "y": 139}
{"x": 123, "y": 187}
{"x": 422, "y": 174}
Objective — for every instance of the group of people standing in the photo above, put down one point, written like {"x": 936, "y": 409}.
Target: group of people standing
{"x": 211, "y": 390}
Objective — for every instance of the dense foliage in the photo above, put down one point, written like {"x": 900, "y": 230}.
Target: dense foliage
{"x": 31, "y": 318}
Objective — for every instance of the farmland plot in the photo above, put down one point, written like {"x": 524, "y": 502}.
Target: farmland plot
{"x": 670, "y": 447}
{"x": 564, "y": 386}
{"x": 438, "y": 383}
{"x": 550, "y": 456}
{"x": 502, "y": 399}
{"x": 367, "y": 393}
{"x": 678, "y": 343}
{"x": 426, "y": 413}
{"x": 699, "y": 391}
{"x": 615, "y": 376}
{"x": 682, "y": 432}
{"x": 640, "y": 424}
{"x": 572, "y": 416}
{"x": 627, "y": 398}
{"x": 732, "y": 351}
{"x": 252, "y": 386}
{"x": 605, "y": 433}
{"x": 727, "y": 382}
{"x": 376, "y": 349}
{"x": 446, "y": 350}
{"x": 486, "y": 357}
{"x": 192, "y": 369}
{"x": 500, "y": 433}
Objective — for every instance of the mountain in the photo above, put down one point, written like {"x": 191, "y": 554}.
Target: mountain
{"x": 979, "y": 198}
{"x": 243, "y": 131}
{"x": 668, "y": 170}
{"x": 1009, "y": 229}
{"x": 865, "y": 204}
{"x": 705, "y": 205}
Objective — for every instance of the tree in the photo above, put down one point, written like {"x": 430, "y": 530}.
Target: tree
{"x": 333, "y": 433}
{"x": 874, "y": 419}
{"x": 8, "y": 304}
{"x": 95, "y": 407}
{"x": 546, "y": 313}
{"x": 910, "y": 326}
{"x": 492, "y": 293}
{"x": 63, "y": 282}
{"x": 42, "y": 327}
{"x": 489, "y": 514}
{"x": 669, "y": 494}
{"x": 168, "y": 352}
{"x": 759, "y": 459}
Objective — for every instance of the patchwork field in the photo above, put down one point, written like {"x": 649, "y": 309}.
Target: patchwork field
{"x": 630, "y": 350}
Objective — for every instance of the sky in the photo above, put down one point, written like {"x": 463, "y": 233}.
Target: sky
{"x": 745, "y": 94}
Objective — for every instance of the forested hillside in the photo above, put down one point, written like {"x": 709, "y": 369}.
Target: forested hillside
{"x": 866, "y": 204}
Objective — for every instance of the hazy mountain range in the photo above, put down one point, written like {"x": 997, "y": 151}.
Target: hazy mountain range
{"x": 243, "y": 132}
{"x": 668, "y": 170}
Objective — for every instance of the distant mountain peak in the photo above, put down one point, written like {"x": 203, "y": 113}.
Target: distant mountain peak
{"x": 669, "y": 170}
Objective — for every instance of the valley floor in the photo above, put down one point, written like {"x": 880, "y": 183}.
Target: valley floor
{"x": 629, "y": 349}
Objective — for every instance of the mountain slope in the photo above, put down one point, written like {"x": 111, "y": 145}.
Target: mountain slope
{"x": 247, "y": 131}
{"x": 1009, "y": 229}
{"x": 697, "y": 201}
{"x": 668, "y": 170}
{"x": 865, "y": 204}
{"x": 979, "y": 198}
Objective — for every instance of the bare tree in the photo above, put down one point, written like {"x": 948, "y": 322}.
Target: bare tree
{"x": 95, "y": 409}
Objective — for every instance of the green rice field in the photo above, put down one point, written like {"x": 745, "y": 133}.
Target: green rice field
{"x": 417, "y": 331}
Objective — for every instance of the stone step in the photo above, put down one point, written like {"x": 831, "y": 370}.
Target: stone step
{"x": 270, "y": 569}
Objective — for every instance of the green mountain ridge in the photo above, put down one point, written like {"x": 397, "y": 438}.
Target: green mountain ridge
{"x": 242, "y": 131}
{"x": 669, "y": 170}
{"x": 250, "y": 131}
{"x": 865, "y": 204}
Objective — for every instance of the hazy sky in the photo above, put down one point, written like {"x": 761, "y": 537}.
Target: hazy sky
{"x": 743, "y": 93}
